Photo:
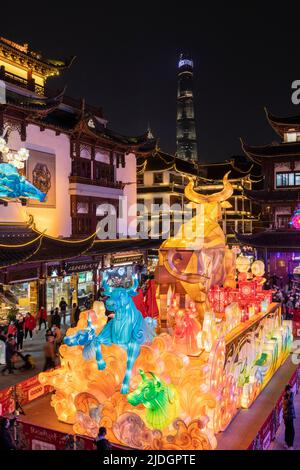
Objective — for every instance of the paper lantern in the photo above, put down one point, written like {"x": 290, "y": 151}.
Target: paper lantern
{"x": 258, "y": 268}
{"x": 243, "y": 264}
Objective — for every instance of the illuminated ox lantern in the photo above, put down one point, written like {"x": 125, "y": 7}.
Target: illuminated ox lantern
{"x": 128, "y": 329}
{"x": 160, "y": 400}
{"x": 197, "y": 257}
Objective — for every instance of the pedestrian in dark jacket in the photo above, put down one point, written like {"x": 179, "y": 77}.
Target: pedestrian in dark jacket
{"x": 6, "y": 440}
{"x": 288, "y": 417}
{"x": 101, "y": 442}
{"x": 76, "y": 314}
{"x": 56, "y": 318}
{"x": 49, "y": 353}
{"x": 20, "y": 334}
{"x": 10, "y": 351}
{"x": 63, "y": 309}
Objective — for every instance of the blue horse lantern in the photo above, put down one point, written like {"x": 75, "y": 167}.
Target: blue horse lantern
{"x": 14, "y": 186}
{"x": 127, "y": 329}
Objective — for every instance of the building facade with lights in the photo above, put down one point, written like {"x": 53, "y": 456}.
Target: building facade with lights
{"x": 79, "y": 163}
{"x": 278, "y": 238}
{"x": 186, "y": 138}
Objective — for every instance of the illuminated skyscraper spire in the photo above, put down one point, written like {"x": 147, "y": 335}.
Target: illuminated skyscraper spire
{"x": 186, "y": 139}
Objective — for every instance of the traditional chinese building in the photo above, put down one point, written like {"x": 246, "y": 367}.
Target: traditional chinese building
{"x": 277, "y": 239}
{"x": 79, "y": 163}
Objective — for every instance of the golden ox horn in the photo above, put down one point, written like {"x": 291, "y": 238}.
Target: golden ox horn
{"x": 222, "y": 195}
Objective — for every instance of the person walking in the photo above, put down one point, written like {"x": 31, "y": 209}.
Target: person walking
{"x": 57, "y": 338}
{"x": 30, "y": 324}
{"x": 10, "y": 350}
{"x": 6, "y": 439}
{"x": 73, "y": 310}
{"x": 49, "y": 353}
{"x": 42, "y": 317}
{"x": 56, "y": 318}
{"x": 12, "y": 329}
{"x": 101, "y": 442}
{"x": 63, "y": 309}
{"x": 20, "y": 334}
{"x": 288, "y": 417}
{"x": 76, "y": 314}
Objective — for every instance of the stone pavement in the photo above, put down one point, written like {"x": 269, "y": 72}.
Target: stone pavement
{"x": 278, "y": 443}
{"x": 35, "y": 348}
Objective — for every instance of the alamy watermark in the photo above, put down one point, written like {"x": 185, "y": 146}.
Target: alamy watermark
{"x": 2, "y": 92}
{"x": 296, "y": 93}
{"x": 152, "y": 221}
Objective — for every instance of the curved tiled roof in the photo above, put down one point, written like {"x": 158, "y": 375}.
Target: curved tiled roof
{"x": 23, "y": 243}
{"x": 273, "y": 195}
{"x": 275, "y": 239}
{"x": 259, "y": 153}
{"x": 283, "y": 124}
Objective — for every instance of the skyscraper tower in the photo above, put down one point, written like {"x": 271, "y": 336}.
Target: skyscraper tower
{"x": 186, "y": 139}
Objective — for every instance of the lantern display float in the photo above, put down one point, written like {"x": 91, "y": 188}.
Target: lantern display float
{"x": 174, "y": 388}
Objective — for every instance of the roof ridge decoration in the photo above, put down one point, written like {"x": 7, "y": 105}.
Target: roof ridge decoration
{"x": 23, "y": 56}
{"x": 282, "y": 124}
{"x": 35, "y": 106}
{"x": 97, "y": 131}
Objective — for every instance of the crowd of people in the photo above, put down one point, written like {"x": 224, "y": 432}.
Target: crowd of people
{"x": 18, "y": 331}
{"x": 289, "y": 297}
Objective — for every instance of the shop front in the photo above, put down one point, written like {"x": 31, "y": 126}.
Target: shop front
{"x": 121, "y": 267}
{"x": 85, "y": 289}
{"x": 84, "y": 281}
{"x": 75, "y": 282}
{"x": 56, "y": 288}
{"x": 19, "y": 294}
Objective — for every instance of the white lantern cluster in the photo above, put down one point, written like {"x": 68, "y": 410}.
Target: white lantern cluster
{"x": 4, "y": 149}
{"x": 14, "y": 158}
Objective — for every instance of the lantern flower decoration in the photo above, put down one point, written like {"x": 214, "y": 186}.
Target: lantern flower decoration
{"x": 295, "y": 222}
{"x": 4, "y": 149}
{"x": 16, "y": 159}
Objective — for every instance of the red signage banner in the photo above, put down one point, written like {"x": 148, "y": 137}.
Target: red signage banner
{"x": 32, "y": 437}
{"x": 7, "y": 402}
{"x": 30, "y": 389}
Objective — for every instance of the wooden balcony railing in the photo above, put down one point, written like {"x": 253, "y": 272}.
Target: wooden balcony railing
{"x": 99, "y": 182}
{"x": 23, "y": 82}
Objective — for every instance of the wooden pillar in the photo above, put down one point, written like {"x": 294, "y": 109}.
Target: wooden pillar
{"x": 42, "y": 284}
{"x": 95, "y": 283}
{"x": 2, "y": 72}
{"x": 23, "y": 131}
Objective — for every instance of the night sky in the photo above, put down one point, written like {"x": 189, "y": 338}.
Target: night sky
{"x": 246, "y": 57}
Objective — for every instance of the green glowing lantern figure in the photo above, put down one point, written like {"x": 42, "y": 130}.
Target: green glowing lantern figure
{"x": 159, "y": 398}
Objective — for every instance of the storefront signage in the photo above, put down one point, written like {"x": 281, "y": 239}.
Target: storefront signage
{"x": 23, "y": 275}
{"x": 77, "y": 267}
{"x": 127, "y": 259}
